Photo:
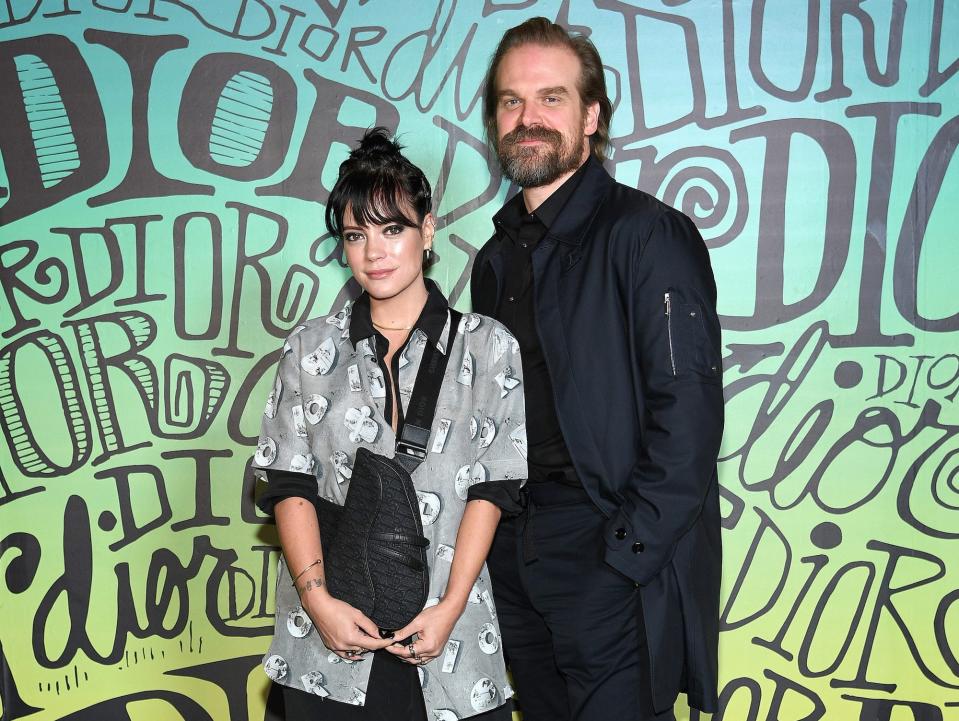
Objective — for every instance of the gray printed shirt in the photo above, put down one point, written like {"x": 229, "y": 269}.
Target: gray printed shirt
{"x": 328, "y": 399}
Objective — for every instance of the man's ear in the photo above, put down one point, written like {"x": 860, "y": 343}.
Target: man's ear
{"x": 592, "y": 118}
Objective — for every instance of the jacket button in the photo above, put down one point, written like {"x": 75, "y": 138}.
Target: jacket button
{"x": 620, "y": 533}
{"x": 638, "y": 547}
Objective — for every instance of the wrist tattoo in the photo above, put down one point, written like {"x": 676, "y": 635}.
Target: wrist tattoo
{"x": 310, "y": 584}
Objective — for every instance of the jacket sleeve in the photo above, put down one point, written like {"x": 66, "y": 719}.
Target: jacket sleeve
{"x": 676, "y": 347}
{"x": 480, "y": 302}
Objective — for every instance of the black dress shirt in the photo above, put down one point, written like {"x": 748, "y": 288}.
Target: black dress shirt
{"x": 548, "y": 457}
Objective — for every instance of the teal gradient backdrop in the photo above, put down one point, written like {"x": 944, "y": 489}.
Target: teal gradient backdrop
{"x": 163, "y": 170}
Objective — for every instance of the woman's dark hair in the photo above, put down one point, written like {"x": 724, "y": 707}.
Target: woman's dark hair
{"x": 591, "y": 85}
{"x": 379, "y": 186}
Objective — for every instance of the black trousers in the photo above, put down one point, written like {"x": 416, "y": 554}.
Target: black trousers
{"x": 393, "y": 694}
{"x": 572, "y": 625}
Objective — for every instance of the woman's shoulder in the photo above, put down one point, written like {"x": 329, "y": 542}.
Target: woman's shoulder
{"x": 488, "y": 340}
{"x": 482, "y": 327}
{"x": 336, "y": 325}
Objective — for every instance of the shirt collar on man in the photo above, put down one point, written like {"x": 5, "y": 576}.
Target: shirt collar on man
{"x": 514, "y": 212}
{"x": 432, "y": 320}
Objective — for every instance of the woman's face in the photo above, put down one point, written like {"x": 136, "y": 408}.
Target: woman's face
{"x": 387, "y": 260}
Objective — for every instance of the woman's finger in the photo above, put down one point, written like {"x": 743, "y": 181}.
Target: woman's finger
{"x": 406, "y": 652}
{"x": 366, "y": 625}
{"x": 414, "y": 626}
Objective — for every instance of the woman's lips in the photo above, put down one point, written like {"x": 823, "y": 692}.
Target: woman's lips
{"x": 378, "y": 274}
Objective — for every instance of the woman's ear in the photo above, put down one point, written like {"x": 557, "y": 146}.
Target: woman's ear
{"x": 429, "y": 230}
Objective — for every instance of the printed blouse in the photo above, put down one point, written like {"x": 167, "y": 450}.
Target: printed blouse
{"x": 329, "y": 398}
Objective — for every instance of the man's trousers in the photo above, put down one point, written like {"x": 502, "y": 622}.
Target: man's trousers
{"x": 572, "y": 625}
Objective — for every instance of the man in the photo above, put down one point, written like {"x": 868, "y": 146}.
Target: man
{"x": 607, "y": 587}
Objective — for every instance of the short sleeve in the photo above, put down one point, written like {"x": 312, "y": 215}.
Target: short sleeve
{"x": 506, "y": 495}
{"x": 283, "y": 444}
{"x": 281, "y": 485}
{"x": 499, "y": 410}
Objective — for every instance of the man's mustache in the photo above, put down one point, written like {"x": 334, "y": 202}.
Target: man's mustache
{"x": 536, "y": 132}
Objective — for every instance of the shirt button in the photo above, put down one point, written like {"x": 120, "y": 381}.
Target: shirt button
{"x": 525, "y": 245}
{"x": 620, "y": 533}
{"x": 638, "y": 547}
{"x": 511, "y": 299}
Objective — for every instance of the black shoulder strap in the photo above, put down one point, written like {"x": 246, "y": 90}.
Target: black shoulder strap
{"x": 414, "y": 436}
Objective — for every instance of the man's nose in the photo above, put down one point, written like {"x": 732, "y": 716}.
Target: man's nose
{"x": 530, "y": 115}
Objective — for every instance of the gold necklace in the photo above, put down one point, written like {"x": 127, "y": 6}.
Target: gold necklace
{"x": 386, "y": 327}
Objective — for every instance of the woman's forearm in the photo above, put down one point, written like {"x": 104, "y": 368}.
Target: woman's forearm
{"x": 472, "y": 546}
{"x": 299, "y": 534}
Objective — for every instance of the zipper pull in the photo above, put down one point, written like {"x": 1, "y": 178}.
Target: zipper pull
{"x": 666, "y": 303}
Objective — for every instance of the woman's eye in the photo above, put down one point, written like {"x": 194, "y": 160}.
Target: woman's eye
{"x": 352, "y": 237}
{"x": 393, "y": 229}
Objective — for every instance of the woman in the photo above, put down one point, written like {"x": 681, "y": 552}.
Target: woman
{"x": 344, "y": 382}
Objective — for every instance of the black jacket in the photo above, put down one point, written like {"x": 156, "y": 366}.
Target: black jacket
{"x": 625, "y": 308}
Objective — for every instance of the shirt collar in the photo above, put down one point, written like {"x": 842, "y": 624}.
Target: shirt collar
{"x": 432, "y": 321}
{"x": 550, "y": 208}
{"x": 512, "y": 214}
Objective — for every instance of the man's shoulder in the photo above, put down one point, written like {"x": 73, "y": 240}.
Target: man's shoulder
{"x": 633, "y": 217}
{"x": 636, "y": 204}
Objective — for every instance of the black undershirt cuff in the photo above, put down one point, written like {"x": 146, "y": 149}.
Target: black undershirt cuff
{"x": 286, "y": 484}
{"x": 504, "y": 493}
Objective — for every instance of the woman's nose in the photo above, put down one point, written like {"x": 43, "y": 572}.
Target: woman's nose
{"x": 375, "y": 247}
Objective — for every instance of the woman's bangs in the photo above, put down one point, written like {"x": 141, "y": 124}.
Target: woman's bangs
{"x": 379, "y": 205}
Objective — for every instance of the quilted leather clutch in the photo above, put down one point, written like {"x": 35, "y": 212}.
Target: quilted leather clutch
{"x": 373, "y": 546}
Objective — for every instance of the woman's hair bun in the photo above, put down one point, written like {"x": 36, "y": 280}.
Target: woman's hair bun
{"x": 377, "y": 147}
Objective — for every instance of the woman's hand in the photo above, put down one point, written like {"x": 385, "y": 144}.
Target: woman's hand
{"x": 345, "y": 630}
{"x": 433, "y": 626}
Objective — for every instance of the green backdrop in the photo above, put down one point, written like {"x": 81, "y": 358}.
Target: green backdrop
{"x": 163, "y": 169}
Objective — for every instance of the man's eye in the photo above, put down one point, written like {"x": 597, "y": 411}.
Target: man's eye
{"x": 551, "y": 100}
{"x": 510, "y": 102}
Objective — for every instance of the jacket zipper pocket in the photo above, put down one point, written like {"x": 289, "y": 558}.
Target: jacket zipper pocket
{"x": 669, "y": 331}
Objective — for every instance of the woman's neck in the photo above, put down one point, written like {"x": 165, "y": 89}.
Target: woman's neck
{"x": 400, "y": 311}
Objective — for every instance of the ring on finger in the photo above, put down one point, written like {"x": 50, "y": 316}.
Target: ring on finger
{"x": 412, "y": 651}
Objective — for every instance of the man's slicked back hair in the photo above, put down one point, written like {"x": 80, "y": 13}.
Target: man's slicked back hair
{"x": 591, "y": 84}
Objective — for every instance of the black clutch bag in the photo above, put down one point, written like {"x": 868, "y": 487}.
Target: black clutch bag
{"x": 373, "y": 546}
{"x": 374, "y": 550}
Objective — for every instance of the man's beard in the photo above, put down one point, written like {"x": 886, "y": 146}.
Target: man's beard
{"x": 533, "y": 166}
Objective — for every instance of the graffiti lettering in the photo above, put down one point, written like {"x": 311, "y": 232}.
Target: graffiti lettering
{"x": 163, "y": 170}
{"x": 164, "y": 588}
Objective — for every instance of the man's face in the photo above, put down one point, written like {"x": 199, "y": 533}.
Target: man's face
{"x": 542, "y": 128}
